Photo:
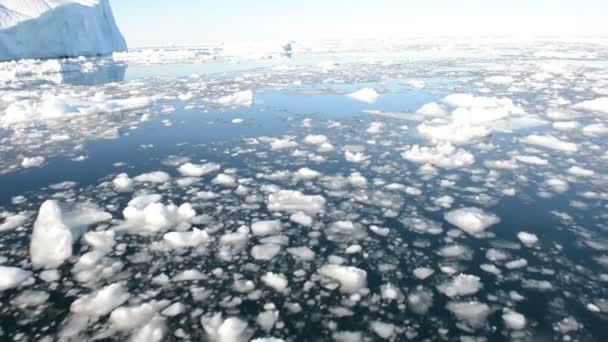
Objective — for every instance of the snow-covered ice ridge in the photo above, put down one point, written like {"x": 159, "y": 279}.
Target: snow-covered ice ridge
{"x": 377, "y": 225}
{"x": 57, "y": 28}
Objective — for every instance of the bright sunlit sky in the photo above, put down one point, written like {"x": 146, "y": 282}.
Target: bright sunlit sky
{"x": 191, "y": 22}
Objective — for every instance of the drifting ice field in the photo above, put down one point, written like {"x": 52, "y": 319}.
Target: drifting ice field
{"x": 418, "y": 192}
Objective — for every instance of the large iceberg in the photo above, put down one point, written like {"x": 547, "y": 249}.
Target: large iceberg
{"x": 57, "y": 28}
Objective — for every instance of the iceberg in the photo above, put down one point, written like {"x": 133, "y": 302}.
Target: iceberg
{"x": 57, "y": 28}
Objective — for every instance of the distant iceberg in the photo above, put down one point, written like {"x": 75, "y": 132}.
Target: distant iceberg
{"x": 57, "y": 28}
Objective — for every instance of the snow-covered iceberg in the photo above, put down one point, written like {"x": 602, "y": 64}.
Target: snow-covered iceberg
{"x": 57, "y": 28}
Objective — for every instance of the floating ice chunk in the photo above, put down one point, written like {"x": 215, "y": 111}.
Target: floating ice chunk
{"x": 11, "y": 277}
{"x": 317, "y": 140}
{"x": 54, "y": 233}
{"x": 129, "y": 318}
{"x": 32, "y": 162}
{"x": 599, "y": 105}
{"x": 516, "y": 264}
{"x": 471, "y": 220}
{"x": 276, "y": 281}
{"x": 144, "y": 214}
{"x": 355, "y": 157}
{"x": 351, "y": 279}
{"x": 461, "y": 285}
{"x": 188, "y": 275}
{"x": 294, "y": 201}
{"x": 306, "y": 174}
{"x": 473, "y": 313}
{"x": 432, "y": 109}
{"x": 595, "y": 130}
{"x": 193, "y": 238}
{"x": 302, "y": 253}
{"x": 533, "y": 160}
{"x": 280, "y": 144}
{"x": 550, "y": 142}
{"x": 366, "y": 95}
{"x": 356, "y": 179}
{"x": 101, "y": 240}
{"x": 566, "y": 125}
{"x": 527, "y": 239}
{"x": 444, "y": 201}
{"x": 100, "y": 302}
{"x": 558, "y": 185}
{"x": 225, "y": 180}
{"x": 375, "y": 127}
{"x": 238, "y": 99}
{"x": 237, "y": 121}
{"x": 267, "y": 339}
{"x": 457, "y": 133}
{"x": 423, "y": 272}
{"x": 233, "y": 243}
{"x": 580, "y": 172}
{"x": 174, "y": 309}
{"x": 301, "y": 219}
{"x": 420, "y": 301}
{"x": 514, "y": 320}
{"x": 154, "y": 331}
{"x": 444, "y": 155}
{"x": 153, "y": 177}
{"x": 229, "y": 330}
{"x": 122, "y": 183}
{"x": 196, "y": 170}
{"x": 265, "y": 251}
{"x": 264, "y": 228}
{"x": 490, "y": 269}
{"x": 383, "y": 330}
{"x": 12, "y": 222}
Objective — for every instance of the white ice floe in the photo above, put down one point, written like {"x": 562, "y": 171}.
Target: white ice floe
{"x": 527, "y": 239}
{"x": 301, "y": 218}
{"x": 55, "y": 232}
{"x": 350, "y": 278}
{"x": 558, "y": 185}
{"x": 595, "y": 130}
{"x": 158, "y": 177}
{"x": 514, "y": 320}
{"x": 306, "y": 174}
{"x": 197, "y": 170}
{"x": 264, "y": 228}
{"x": 11, "y": 277}
{"x": 457, "y": 133}
{"x": 355, "y": 157}
{"x": 302, "y": 253}
{"x": 229, "y": 330}
{"x": 224, "y": 180}
{"x": 127, "y": 318}
{"x": 461, "y": 285}
{"x": 100, "y": 302}
{"x": 444, "y": 155}
{"x": 294, "y": 201}
{"x": 193, "y": 238}
{"x": 599, "y": 105}
{"x": 57, "y": 28}
{"x": 32, "y": 162}
{"x": 122, "y": 183}
{"x": 473, "y": 313}
{"x": 383, "y": 330}
{"x": 238, "y": 99}
{"x": 365, "y": 95}
{"x": 580, "y": 172}
{"x": 423, "y": 272}
{"x": 146, "y": 214}
{"x": 13, "y": 221}
{"x": 316, "y": 140}
{"x": 471, "y": 220}
{"x": 276, "y": 281}
{"x": 550, "y": 142}
{"x": 265, "y": 252}
{"x": 533, "y": 160}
